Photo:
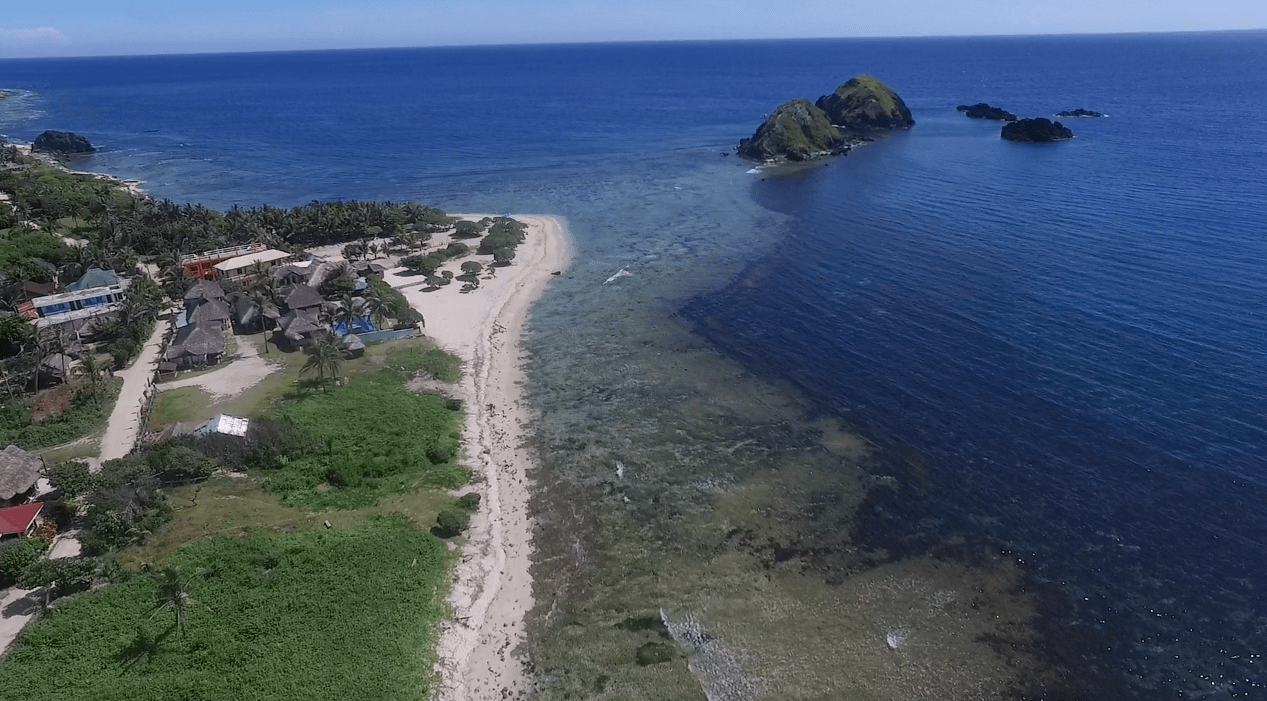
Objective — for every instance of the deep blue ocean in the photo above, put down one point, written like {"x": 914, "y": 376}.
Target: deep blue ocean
{"x": 1059, "y": 348}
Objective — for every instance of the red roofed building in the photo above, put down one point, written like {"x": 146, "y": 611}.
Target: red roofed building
{"x": 19, "y": 520}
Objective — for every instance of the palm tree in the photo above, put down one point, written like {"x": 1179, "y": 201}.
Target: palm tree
{"x": 92, "y": 369}
{"x": 376, "y": 305}
{"x": 46, "y": 345}
{"x": 259, "y": 270}
{"x": 169, "y": 263}
{"x": 350, "y": 309}
{"x": 266, "y": 285}
{"x": 261, "y": 299}
{"x": 323, "y": 357}
{"x": 172, "y": 592}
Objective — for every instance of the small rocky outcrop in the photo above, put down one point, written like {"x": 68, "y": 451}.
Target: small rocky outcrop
{"x": 796, "y": 131}
{"x": 1079, "y": 113}
{"x": 1039, "y": 129}
{"x": 800, "y": 130}
{"x": 983, "y": 111}
{"x": 64, "y": 142}
{"x": 863, "y": 103}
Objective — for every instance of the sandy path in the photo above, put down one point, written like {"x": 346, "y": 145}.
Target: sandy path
{"x": 480, "y": 649}
{"x": 17, "y": 608}
{"x": 243, "y": 373}
{"x": 125, "y": 420}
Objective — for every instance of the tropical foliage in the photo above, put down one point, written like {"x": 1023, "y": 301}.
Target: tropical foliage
{"x": 88, "y": 410}
{"x": 257, "y": 614}
{"x": 15, "y": 557}
{"x": 125, "y": 500}
{"x": 367, "y": 439}
{"x": 324, "y": 359}
{"x": 59, "y": 577}
{"x": 153, "y": 227}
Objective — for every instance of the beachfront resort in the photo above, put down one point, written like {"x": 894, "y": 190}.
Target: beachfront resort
{"x": 228, "y": 434}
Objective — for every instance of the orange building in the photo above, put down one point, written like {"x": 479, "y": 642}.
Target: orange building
{"x": 202, "y": 266}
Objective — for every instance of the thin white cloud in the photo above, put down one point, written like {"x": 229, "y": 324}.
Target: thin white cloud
{"x": 34, "y": 35}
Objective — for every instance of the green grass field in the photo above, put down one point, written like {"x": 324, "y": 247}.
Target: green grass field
{"x": 233, "y": 507}
{"x": 373, "y": 437}
{"x": 283, "y": 606}
{"x": 315, "y": 614}
{"x": 193, "y": 404}
{"x": 370, "y": 437}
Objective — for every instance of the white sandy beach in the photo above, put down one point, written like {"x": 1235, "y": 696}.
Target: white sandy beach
{"x": 480, "y": 655}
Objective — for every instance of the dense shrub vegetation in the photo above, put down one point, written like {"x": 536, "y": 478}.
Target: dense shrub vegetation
{"x": 505, "y": 233}
{"x": 396, "y": 304}
{"x": 433, "y": 361}
{"x": 452, "y": 522}
{"x": 28, "y": 253}
{"x": 369, "y": 438}
{"x": 344, "y": 613}
{"x": 125, "y": 502}
{"x": 88, "y": 410}
{"x": 15, "y": 557}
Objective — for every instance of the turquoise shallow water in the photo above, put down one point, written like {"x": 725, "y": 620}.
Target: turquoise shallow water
{"x": 1057, "y": 352}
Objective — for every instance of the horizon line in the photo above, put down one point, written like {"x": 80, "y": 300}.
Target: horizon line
{"x": 642, "y": 42}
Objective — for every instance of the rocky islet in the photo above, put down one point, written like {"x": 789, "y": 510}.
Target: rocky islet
{"x": 982, "y": 110}
{"x": 62, "y": 142}
{"x": 1080, "y": 113}
{"x": 1037, "y": 130}
{"x": 799, "y": 130}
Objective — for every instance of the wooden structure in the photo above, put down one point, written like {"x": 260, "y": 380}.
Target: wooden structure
{"x": 203, "y": 265}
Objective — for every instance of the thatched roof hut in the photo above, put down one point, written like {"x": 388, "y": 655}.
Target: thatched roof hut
{"x": 19, "y": 471}
{"x": 204, "y": 289}
{"x": 210, "y": 311}
{"x": 297, "y": 323}
{"x": 352, "y": 344}
{"x": 196, "y": 341}
{"x": 303, "y": 297}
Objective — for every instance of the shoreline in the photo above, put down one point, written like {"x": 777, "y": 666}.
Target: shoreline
{"x": 131, "y": 186}
{"x": 480, "y": 651}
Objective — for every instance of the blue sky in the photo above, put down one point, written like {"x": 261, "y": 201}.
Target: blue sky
{"x": 105, "y": 27}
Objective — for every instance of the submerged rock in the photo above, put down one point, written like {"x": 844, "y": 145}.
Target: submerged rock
{"x": 1039, "y": 129}
{"x": 1079, "y": 113}
{"x": 863, "y": 103}
{"x": 655, "y": 653}
{"x": 796, "y": 131}
{"x": 983, "y": 111}
{"x": 62, "y": 142}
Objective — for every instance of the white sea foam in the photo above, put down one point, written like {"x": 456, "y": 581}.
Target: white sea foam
{"x": 622, "y": 273}
{"x": 718, "y": 667}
